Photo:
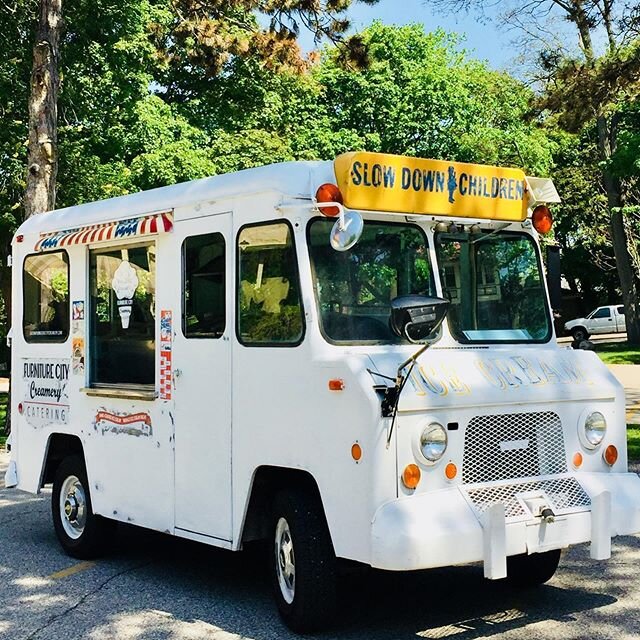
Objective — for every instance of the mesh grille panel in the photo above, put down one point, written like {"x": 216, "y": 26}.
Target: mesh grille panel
{"x": 516, "y": 445}
{"x": 563, "y": 494}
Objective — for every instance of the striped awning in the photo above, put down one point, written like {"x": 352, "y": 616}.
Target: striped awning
{"x": 118, "y": 230}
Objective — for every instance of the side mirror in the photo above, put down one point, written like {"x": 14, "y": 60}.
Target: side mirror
{"x": 417, "y": 317}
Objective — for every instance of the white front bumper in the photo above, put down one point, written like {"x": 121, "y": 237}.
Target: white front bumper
{"x": 440, "y": 529}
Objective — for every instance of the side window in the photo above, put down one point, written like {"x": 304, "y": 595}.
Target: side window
{"x": 45, "y": 290}
{"x": 269, "y": 306}
{"x": 621, "y": 310}
{"x": 605, "y": 312}
{"x": 122, "y": 283}
{"x": 203, "y": 290}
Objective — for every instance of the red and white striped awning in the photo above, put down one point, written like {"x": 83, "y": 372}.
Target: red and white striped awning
{"x": 118, "y": 230}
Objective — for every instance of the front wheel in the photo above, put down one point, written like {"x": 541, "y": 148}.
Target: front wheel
{"x": 81, "y": 533}
{"x": 579, "y": 334}
{"x": 304, "y": 572}
{"x": 532, "y": 570}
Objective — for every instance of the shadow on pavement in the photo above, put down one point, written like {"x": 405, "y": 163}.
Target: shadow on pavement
{"x": 162, "y": 587}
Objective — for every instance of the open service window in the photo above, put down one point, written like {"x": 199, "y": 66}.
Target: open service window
{"x": 122, "y": 283}
{"x": 45, "y": 290}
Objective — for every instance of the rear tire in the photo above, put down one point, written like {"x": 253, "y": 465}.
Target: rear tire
{"x": 532, "y": 570}
{"x": 81, "y": 533}
{"x": 579, "y": 334}
{"x": 303, "y": 563}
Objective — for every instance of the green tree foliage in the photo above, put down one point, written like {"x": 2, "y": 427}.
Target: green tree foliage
{"x": 421, "y": 95}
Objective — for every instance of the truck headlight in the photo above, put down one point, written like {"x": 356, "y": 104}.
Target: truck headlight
{"x": 594, "y": 429}
{"x": 433, "y": 442}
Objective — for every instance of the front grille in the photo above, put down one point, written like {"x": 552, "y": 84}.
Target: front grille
{"x": 515, "y": 445}
{"x": 563, "y": 494}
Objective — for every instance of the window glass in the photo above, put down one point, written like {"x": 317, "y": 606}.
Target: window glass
{"x": 46, "y": 297}
{"x": 269, "y": 306}
{"x": 354, "y": 288}
{"x": 621, "y": 310}
{"x": 122, "y": 315}
{"x": 602, "y": 313}
{"x": 497, "y": 294}
{"x": 203, "y": 310}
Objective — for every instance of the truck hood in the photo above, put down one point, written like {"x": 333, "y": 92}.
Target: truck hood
{"x": 454, "y": 377}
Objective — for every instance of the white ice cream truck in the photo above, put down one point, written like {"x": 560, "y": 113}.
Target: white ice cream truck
{"x": 265, "y": 355}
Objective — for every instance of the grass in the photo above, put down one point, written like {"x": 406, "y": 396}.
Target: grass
{"x": 617, "y": 353}
{"x": 633, "y": 441}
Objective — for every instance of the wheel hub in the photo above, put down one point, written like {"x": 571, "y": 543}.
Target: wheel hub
{"x": 73, "y": 507}
{"x": 285, "y": 561}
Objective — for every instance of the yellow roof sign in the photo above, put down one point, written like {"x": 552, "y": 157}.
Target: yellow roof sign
{"x": 383, "y": 182}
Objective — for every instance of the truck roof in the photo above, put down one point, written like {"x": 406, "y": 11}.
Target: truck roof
{"x": 297, "y": 179}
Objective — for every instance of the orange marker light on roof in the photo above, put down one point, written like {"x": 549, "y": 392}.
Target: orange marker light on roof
{"x": 328, "y": 192}
{"x": 542, "y": 219}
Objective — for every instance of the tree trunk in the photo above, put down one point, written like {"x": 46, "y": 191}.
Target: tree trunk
{"x": 629, "y": 280}
{"x": 42, "y": 162}
{"x": 42, "y": 154}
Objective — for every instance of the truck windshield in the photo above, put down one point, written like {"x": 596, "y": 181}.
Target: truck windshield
{"x": 494, "y": 283}
{"x": 354, "y": 288}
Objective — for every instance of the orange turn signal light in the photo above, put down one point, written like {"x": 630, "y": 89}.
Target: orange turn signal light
{"x": 577, "y": 460}
{"x": 356, "y": 451}
{"x": 328, "y": 192}
{"x": 336, "y": 384}
{"x": 411, "y": 476}
{"x": 542, "y": 219}
{"x": 451, "y": 471}
{"x": 610, "y": 455}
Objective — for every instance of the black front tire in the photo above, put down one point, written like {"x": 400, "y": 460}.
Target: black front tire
{"x": 579, "y": 334}
{"x": 532, "y": 570}
{"x": 312, "y": 602}
{"x": 95, "y": 536}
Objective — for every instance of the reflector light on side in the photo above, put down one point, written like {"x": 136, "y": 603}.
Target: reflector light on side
{"x": 328, "y": 192}
{"x": 356, "y": 451}
{"x": 610, "y": 455}
{"x": 542, "y": 219}
{"x": 411, "y": 476}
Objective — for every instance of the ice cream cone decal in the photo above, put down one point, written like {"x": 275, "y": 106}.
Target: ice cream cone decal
{"x": 125, "y": 283}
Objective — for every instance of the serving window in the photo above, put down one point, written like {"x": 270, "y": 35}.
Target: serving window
{"x": 122, "y": 283}
{"x": 45, "y": 286}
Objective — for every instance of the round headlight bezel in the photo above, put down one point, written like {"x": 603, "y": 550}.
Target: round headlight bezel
{"x": 438, "y": 446}
{"x": 588, "y": 420}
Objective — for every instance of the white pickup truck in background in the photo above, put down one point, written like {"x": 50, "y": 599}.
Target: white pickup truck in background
{"x": 608, "y": 319}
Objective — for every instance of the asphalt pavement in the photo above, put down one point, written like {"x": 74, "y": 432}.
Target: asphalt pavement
{"x": 155, "y": 587}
